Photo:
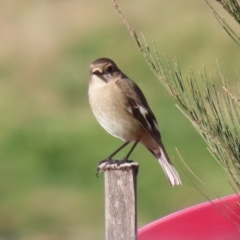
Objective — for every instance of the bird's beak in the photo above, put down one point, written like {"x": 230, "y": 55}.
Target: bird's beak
{"x": 98, "y": 72}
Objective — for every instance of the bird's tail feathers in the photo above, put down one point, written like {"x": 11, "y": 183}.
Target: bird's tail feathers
{"x": 169, "y": 169}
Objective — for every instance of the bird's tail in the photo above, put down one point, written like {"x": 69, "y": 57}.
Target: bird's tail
{"x": 168, "y": 168}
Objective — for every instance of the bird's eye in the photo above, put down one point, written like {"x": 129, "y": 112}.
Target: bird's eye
{"x": 109, "y": 69}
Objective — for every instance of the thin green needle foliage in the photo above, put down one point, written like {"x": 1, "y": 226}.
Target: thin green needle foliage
{"x": 208, "y": 102}
{"x": 233, "y": 8}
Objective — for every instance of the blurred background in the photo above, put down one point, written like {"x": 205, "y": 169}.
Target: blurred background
{"x": 50, "y": 143}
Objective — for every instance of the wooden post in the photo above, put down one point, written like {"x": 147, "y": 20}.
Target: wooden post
{"x": 120, "y": 201}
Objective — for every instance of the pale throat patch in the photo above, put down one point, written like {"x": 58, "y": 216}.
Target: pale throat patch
{"x": 96, "y": 82}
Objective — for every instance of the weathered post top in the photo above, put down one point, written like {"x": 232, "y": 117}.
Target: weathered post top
{"x": 120, "y": 200}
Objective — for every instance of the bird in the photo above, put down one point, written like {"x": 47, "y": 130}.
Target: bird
{"x": 121, "y": 108}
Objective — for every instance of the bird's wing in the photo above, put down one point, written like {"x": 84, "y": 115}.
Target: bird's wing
{"x": 139, "y": 108}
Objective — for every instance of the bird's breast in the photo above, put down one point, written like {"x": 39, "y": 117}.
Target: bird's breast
{"x": 109, "y": 106}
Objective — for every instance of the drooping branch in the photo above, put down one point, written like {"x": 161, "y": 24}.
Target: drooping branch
{"x": 211, "y": 110}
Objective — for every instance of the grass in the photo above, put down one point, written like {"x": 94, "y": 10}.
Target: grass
{"x": 50, "y": 143}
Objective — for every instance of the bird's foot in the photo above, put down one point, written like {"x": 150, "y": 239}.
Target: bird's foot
{"x": 110, "y": 163}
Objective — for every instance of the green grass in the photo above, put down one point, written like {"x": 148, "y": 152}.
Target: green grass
{"x": 50, "y": 143}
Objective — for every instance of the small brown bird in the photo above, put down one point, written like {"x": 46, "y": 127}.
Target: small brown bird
{"x": 122, "y": 110}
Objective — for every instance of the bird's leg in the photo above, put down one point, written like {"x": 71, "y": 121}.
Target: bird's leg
{"x": 109, "y": 160}
{"x": 134, "y": 145}
{"x": 129, "y": 153}
{"x": 115, "y": 152}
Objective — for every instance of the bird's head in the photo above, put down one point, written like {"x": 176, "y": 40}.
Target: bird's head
{"x": 105, "y": 69}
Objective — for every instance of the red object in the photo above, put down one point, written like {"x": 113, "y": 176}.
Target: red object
{"x": 205, "y": 221}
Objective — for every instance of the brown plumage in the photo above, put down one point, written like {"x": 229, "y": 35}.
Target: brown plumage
{"x": 122, "y": 110}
